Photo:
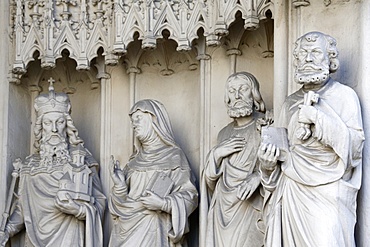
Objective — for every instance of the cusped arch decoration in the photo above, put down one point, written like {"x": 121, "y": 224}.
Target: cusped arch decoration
{"x": 51, "y": 26}
{"x": 84, "y": 26}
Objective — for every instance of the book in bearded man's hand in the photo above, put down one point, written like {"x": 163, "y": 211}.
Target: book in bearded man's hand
{"x": 277, "y": 136}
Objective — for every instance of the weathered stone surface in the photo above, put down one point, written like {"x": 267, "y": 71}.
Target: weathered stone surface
{"x": 94, "y": 51}
{"x": 154, "y": 194}
{"x": 59, "y": 197}
{"x": 311, "y": 194}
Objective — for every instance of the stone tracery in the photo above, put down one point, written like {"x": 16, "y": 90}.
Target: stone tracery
{"x": 83, "y": 27}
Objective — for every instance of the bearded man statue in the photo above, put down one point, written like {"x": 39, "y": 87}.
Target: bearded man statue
{"x": 50, "y": 206}
{"x": 231, "y": 201}
{"x": 311, "y": 186}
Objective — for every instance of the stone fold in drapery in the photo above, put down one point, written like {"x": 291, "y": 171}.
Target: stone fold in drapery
{"x": 45, "y": 224}
{"x": 313, "y": 199}
{"x": 229, "y": 220}
{"x": 134, "y": 225}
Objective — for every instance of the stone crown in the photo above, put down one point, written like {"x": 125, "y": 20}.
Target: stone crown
{"x": 52, "y": 102}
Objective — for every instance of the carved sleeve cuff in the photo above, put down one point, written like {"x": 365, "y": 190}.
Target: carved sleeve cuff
{"x": 10, "y": 230}
{"x": 81, "y": 213}
{"x": 167, "y": 206}
{"x": 269, "y": 179}
{"x": 15, "y": 222}
{"x": 119, "y": 189}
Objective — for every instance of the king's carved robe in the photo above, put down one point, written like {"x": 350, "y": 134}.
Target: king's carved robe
{"x": 311, "y": 199}
{"x": 231, "y": 221}
{"x": 45, "y": 224}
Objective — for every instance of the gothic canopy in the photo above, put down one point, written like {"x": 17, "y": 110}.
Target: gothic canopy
{"x": 47, "y": 27}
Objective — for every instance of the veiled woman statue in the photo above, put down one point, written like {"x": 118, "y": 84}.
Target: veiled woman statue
{"x": 153, "y": 195}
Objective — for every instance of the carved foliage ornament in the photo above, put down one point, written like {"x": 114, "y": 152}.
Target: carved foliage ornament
{"x": 82, "y": 27}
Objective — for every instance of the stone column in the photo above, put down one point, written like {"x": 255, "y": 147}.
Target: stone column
{"x": 205, "y": 104}
{"x": 205, "y": 118}
{"x": 233, "y": 53}
{"x": 105, "y": 135}
{"x": 34, "y": 91}
{"x": 132, "y": 71}
{"x": 363, "y": 209}
{"x": 281, "y": 61}
{"x": 105, "y": 132}
{"x": 5, "y": 167}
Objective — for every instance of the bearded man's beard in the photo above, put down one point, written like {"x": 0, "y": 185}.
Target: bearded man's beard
{"x": 56, "y": 153}
{"x": 240, "y": 108}
{"x": 317, "y": 75}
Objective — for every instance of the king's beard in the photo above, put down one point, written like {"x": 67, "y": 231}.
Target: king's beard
{"x": 240, "y": 111}
{"x": 54, "y": 154}
{"x": 318, "y": 75}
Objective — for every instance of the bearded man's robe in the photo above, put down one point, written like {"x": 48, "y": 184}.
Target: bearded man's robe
{"x": 231, "y": 221}
{"x": 311, "y": 198}
{"x": 44, "y": 223}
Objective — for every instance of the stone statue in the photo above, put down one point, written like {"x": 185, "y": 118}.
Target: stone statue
{"x": 230, "y": 179}
{"x": 153, "y": 195}
{"x": 60, "y": 200}
{"x": 311, "y": 186}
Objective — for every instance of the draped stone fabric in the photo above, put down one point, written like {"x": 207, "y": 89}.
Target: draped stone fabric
{"x": 45, "y": 224}
{"x": 231, "y": 221}
{"x": 311, "y": 199}
{"x": 134, "y": 224}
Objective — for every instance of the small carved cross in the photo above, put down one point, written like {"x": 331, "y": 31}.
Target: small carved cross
{"x": 51, "y": 88}
{"x": 51, "y": 81}
{"x": 162, "y": 176}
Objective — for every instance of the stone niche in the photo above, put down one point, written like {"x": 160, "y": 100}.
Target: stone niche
{"x": 107, "y": 55}
{"x": 190, "y": 84}
{"x": 82, "y": 88}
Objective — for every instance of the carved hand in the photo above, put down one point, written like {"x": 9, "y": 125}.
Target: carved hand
{"x": 247, "y": 188}
{"x": 68, "y": 206}
{"x": 268, "y": 154}
{"x": 307, "y": 114}
{"x": 4, "y": 237}
{"x": 116, "y": 173}
{"x": 152, "y": 201}
{"x": 229, "y": 146}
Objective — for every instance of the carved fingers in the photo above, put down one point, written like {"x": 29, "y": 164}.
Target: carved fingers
{"x": 152, "y": 201}
{"x": 268, "y": 154}
{"x": 68, "y": 206}
{"x": 248, "y": 187}
{"x": 243, "y": 190}
{"x": 303, "y": 132}
{"x": 116, "y": 173}
{"x": 229, "y": 146}
{"x": 307, "y": 114}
